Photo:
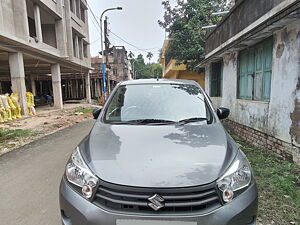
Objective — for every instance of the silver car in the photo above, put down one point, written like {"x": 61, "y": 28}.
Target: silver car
{"x": 158, "y": 155}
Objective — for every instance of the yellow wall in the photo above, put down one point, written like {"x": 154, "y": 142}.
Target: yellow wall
{"x": 198, "y": 77}
{"x": 174, "y": 71}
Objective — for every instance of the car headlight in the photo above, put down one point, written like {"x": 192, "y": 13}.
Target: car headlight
{"x": 78, "y": 173}
{"x": 236, "y": 178}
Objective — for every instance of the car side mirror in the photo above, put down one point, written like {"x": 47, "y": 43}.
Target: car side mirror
{"x": 96, "y": 112}
{"x": 223, "y": 113}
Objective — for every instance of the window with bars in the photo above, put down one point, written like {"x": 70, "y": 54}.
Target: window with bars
{"x": 216, "y": 79}
{"x": 255, "y": 71}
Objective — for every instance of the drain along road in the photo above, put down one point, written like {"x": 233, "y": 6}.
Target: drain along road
{"x": 30, "y": 177}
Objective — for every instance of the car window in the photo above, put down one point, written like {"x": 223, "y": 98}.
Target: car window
{"x": 170, "y": 102}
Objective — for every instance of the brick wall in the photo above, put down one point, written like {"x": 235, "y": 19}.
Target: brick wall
{"x": 264, "y": 141}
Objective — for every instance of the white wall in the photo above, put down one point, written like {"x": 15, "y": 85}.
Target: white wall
{"x": 280, "y": 116}
{"x": 286, "y": 72}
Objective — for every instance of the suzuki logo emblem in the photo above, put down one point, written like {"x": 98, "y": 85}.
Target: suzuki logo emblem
{"x": 156, "y": 202}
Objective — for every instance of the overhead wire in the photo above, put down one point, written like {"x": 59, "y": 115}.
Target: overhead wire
{"x": 94, "y": 17}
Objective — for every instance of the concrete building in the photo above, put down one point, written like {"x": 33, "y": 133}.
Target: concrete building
{"x": 119, "y": 66}
{"x": 252, "y": 67}
{"x": 43, "y": 38}
{"x": 171, "y": 70}
{"x": 118, "y": 69}
{"x": 96, "y": 78}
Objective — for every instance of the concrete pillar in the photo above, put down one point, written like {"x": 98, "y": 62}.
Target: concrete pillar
{"x": 17, "y": 74}
{"x": 88, "y": 88}
{"x": 1, "y": 17}
{"x": 76, "y": 46}
{"x": 98, "y": 91}
{"x": 33, "y": 87}
{"x": 56, "y": 85}
{"x": 37, "y": 19}
{"x": 60, "y": 37}
{"x": 68, "y": 31}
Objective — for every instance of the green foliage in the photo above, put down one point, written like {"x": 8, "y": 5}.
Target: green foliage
{"x": 130, "y": 55}
{"x": 10, "y": 138}
{"x": 184, "y": 23}
{"x": 143, "y": 70}
{"x": 84, "y": 111}
{"x": 278, "y": 185}
{"x": 6, "y": 134}
{"x": 149, "y": 56}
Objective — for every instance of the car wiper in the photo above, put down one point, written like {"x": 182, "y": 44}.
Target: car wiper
{"x": 190, "y": 120}
{"x": 151, "y": 121}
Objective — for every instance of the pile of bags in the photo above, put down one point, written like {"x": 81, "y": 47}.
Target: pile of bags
{"x": 30, "y": 103}
{"x": 10, "y": 108}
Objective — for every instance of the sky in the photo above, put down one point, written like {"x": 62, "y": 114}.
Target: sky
{"x": 135, "y": 24}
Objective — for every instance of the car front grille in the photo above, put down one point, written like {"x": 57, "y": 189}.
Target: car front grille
{"x": 117, "y": 198}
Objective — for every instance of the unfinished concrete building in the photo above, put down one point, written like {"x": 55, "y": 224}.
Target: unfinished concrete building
{"x": 44, "y": 45}
{"x": 252, "y": 68}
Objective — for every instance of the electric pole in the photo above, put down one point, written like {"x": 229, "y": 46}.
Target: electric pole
{"x": 106, "y": 44}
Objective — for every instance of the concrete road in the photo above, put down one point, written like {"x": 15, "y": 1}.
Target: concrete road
{"x": 30, "y": 177}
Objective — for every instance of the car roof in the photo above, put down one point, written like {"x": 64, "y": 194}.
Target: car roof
{"x": 158, "y": 81}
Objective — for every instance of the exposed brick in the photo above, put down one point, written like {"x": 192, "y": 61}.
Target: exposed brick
{"x": 259, "y": 139}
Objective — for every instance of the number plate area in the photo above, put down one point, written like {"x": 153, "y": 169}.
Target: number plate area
{"x": 153, "y": 222}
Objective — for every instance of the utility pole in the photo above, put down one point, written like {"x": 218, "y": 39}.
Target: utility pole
{"x": 102, "y": 49}
{"x": 106, "y": 44}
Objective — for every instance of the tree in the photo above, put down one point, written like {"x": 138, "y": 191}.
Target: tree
{"x": 131, "y": 55}
{"x": 184, "y": 23}
{"x": 149, "y": 56}
{"x": 144, "y": 71}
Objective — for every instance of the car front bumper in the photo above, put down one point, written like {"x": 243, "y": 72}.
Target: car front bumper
{"x": 75, "y": 210}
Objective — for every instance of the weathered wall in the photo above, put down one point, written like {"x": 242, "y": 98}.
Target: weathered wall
{"x": 285, "y": 78}
{"x": 239, "y": 19}
{"x": 7, "y": 16}
{"x": 13, "y": 18}
{"x": 229, "y": 82}
{"x": 279, "y": 118}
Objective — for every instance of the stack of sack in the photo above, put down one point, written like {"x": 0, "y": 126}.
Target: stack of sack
{"x": 10, "y": 108}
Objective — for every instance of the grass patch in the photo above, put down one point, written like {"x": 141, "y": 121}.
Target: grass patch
{"x": 278, "y": 183}
{"x": 7, "y": 136}
{"x": 84, "y": 110}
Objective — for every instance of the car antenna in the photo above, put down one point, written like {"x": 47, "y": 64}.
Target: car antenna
{"x": 157, "y": 79}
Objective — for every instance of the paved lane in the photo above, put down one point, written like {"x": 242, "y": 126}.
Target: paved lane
{"x": 30, "y": 177}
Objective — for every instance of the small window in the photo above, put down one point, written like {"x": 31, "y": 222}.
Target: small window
{"x": 32, "y": 29}
{"x": 71, "y": 6}
{"x": 216, "y": 79}
{"x": 255, "y": 71}
{"x": 74, "y": 45}
{"x": 115, "y": 72}
{"x": 82, "y": 13}
{"x": 85, "y": 54}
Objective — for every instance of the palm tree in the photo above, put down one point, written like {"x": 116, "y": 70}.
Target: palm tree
{"x": 149, "y": 56}
{"x": 131, "y": 55}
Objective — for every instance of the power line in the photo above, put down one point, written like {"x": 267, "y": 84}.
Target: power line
{"x": 132, "y": 45}
{"x": 120, "y": 38}
{"x": 94, "y": 16}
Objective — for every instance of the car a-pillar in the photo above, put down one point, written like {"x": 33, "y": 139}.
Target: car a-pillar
{"x": 56, "y": 86}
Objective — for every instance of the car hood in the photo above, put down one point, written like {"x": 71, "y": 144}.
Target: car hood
{"x": 158, "y": 156}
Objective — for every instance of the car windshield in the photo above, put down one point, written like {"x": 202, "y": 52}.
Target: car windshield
{"x": 157, "y": 103}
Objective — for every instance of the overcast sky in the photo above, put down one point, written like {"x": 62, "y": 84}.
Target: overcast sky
{"x": 136, "y": 24}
